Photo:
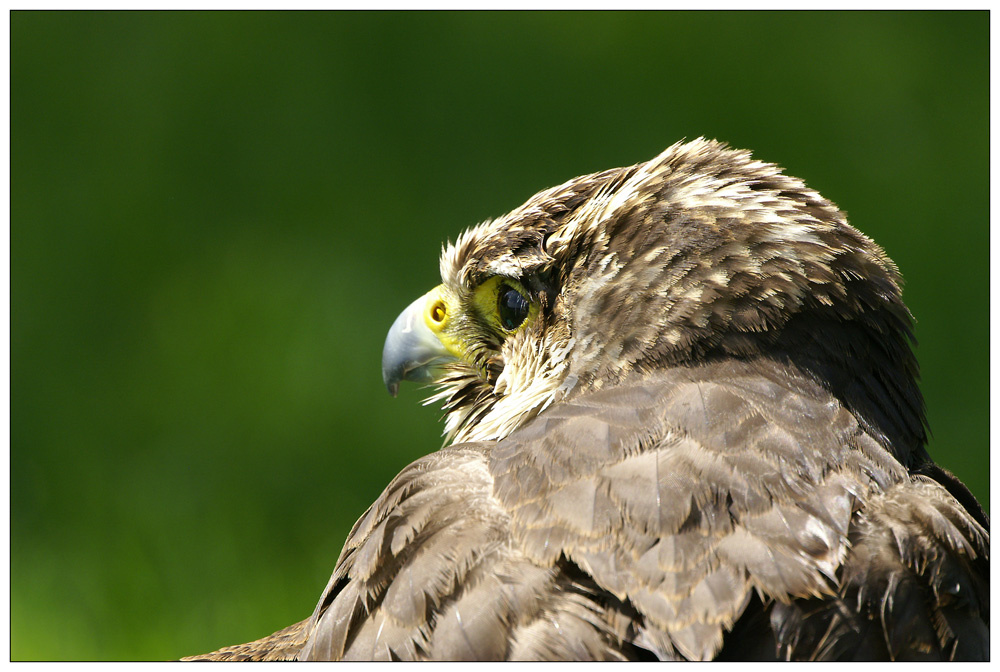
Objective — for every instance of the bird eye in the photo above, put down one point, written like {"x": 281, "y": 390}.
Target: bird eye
{"x": 512, "y": 307}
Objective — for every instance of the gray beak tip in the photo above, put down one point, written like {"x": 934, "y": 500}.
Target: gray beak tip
{"x": 412, "y": 351}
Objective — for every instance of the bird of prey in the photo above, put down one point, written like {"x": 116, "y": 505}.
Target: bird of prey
{"x": 683, "y": 422}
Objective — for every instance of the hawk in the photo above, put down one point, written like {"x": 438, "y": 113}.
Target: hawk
{"x": 683, "y": 422}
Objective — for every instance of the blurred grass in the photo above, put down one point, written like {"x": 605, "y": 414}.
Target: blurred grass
{"x": 216, "y": 216}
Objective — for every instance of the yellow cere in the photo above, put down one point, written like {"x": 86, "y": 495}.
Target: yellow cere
{"x": 436, "y": 310}
{"x": 439, "y": 311}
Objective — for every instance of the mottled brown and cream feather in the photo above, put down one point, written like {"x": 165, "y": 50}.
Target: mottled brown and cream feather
{"x": 708, "y": 445}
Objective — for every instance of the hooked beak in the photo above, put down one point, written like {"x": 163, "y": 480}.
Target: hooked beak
{"x": 413, "y": 348}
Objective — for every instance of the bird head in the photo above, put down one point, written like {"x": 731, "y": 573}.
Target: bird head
{"x": 698, "y": 254}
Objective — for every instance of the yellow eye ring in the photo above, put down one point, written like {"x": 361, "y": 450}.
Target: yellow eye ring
{"x": 504, "y": 304}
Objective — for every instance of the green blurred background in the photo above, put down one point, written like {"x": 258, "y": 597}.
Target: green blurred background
{"x": 215, "y": 217}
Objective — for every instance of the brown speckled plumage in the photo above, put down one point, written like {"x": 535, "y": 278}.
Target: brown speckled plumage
{"x": 708, "y": 445}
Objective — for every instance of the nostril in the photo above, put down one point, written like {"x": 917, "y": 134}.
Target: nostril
{"x": 438, "y": 312}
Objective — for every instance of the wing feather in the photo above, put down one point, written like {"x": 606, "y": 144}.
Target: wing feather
{"x": 694, "y": 514}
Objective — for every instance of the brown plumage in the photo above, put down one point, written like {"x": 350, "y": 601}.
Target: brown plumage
{"x": 685, "y": 425}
